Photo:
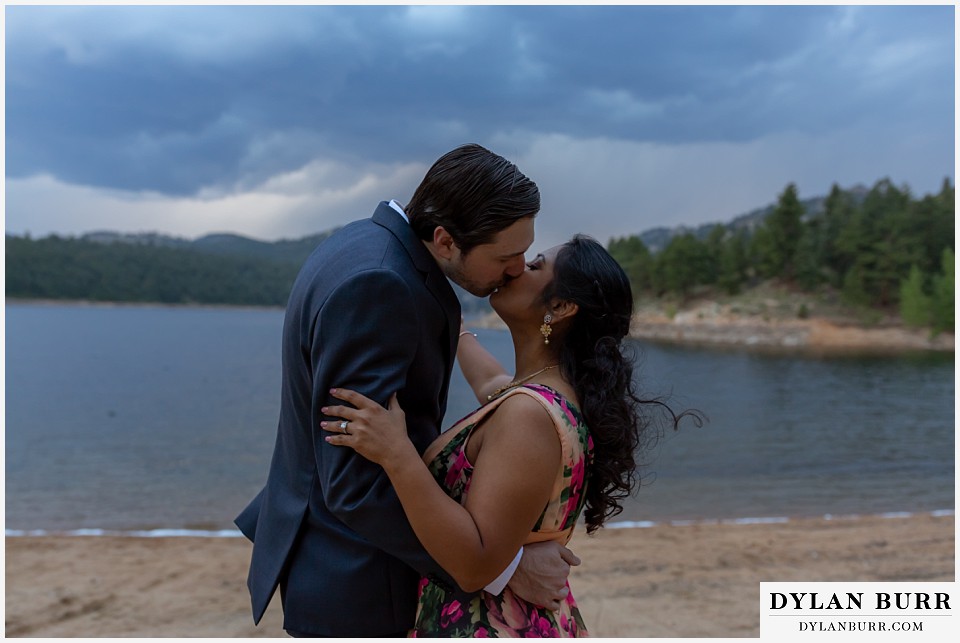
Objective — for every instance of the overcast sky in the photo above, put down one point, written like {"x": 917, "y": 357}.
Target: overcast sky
{"x": 278, "y": 122}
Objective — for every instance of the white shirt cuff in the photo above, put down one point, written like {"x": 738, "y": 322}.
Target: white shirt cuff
{"x": 498, "y": 584}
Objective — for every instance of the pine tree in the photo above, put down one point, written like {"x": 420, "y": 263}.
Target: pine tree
{"x": 943, "y": 293}
{"x": 915, "y": 304}
{"x": 761, "y": 253}
{"x": 712, "y": 253}
{"x": 809, "y": 257}
{"x": 785, "y": 226}
{"x": 635, "y": 258}
{"x": 838, "y": 211}
{"x": 881, "y": 242}
{"x": 681, "y": 264}
{"x": 733, "y": 262}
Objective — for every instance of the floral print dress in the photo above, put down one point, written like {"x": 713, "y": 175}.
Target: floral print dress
{"x": 443, "y": 614}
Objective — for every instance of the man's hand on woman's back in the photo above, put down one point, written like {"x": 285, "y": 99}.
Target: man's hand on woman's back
{"x": 541, "y": 577}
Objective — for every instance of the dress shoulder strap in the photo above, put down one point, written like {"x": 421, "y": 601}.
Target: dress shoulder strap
{"x": 552, "y": 411}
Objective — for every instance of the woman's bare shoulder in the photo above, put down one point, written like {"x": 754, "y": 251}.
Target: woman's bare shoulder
{"x": 522, "y": 418}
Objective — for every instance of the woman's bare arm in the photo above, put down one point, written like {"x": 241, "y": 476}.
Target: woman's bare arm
{"x": 480, "y": 368}
{"x": 512, "y": 481}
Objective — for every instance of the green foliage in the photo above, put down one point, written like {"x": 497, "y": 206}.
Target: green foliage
{"x": 784, "y": 226}
{"x": 733, "y": 263}
{"x": 854, "y": 287}
{"x": 943, "y": 293}
{"x": 683, "y": 264}
{"x": 216, "y": 269}
{"x": 809, "y": 258}
{"x": 862, "y": 242}
{"x": 915, "y": 304}
{"x": 713, "y": 253}
{"x": 879, "y": 242}
{"x": 632, "y": 254}
{"x": 838, "y": 211}
{"x": 57, "y": 268}
{"x": 761, "y": 254}
{"x": 881, "y": 247}
{"x": 918, "y": 307}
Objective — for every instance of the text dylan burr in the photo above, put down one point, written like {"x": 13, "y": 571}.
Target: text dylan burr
{"x": 855, "y": 601}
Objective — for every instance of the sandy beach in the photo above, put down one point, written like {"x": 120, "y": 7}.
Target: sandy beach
{"x": 664, "y": 581}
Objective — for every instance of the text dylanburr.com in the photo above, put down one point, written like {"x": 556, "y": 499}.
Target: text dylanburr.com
{"x": 857, "y": 611}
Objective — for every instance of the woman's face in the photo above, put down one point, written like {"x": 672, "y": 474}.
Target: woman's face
{"x": 522, "y": 297}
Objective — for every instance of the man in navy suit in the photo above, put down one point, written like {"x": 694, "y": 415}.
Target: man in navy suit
{"x": 372, "y": 310}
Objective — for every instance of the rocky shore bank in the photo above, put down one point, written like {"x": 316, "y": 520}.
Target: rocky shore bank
{"x": 814, "y": 335}
{"x": 716, "y": 325}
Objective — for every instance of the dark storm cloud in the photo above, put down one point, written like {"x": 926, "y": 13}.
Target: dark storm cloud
{"x": 175, "y": 99}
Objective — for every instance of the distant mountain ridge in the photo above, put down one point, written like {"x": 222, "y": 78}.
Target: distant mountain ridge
{"x": 296, "y": 250}
{"x": 220, "y": 268}
{"x": 225, "y": 268}
{"x": 656, "y": 239}
{"x": 223, "y": 243}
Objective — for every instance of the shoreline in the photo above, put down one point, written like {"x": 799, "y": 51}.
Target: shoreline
{"x": 665, "y": 581}
{"x": 813, "y": 336}
{"x": 171, "y": 532}
{"x": 94, "y": 303}
{"x": 817, "y": 336}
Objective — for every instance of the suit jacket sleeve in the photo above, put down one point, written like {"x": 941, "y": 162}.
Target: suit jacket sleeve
{"x": 365, "y": 339}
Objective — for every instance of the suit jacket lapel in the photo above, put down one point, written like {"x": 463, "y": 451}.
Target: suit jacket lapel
{"x": 434, "y": 278}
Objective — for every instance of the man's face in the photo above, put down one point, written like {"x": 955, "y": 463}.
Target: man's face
{"x": 488, "y": 266}
{"x": 522, "y": 299}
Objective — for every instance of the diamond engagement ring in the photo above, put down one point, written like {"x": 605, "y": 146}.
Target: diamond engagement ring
{"x": 343, "y": 426}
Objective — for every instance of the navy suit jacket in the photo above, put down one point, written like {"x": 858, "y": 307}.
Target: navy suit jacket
{"x": 370, "y": 310}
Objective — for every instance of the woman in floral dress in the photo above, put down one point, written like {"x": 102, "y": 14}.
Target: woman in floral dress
{"x": 557, "y": 440}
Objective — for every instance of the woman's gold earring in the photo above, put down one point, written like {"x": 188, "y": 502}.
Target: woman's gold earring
{"x": 546, "y": 328}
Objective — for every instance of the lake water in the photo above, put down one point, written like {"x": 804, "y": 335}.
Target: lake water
{"x": 139, "y": 418}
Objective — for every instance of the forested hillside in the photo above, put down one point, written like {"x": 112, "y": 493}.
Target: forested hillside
{"x": 880, "y": 248}
{"x": 217, "y": 269}
{"x": 214, "y": 269}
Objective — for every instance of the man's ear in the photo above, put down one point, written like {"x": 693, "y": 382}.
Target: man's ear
{"x": 563, "y": 309}
{"x": 443, "y": 243}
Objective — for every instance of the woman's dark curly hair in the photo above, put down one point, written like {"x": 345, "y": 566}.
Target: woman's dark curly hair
{"x": 592, "y": 358}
